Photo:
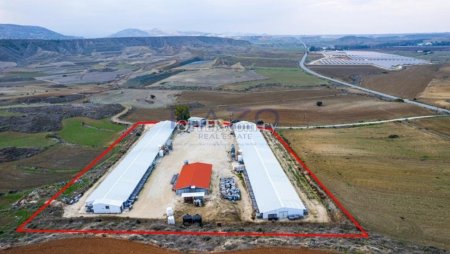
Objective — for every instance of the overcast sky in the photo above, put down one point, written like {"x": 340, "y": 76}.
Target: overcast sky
{"x": 96, "y": 18}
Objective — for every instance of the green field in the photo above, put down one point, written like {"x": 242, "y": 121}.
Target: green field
{"x": 11, "y": 218}
{"x": 4, "y": 112}
{"x": 17, "y": 139}
{"x": 279, "y": 76}
{"x": 19, "y": 76}
{"x": 397, "y": 186}
{"x": 93, "y": 133}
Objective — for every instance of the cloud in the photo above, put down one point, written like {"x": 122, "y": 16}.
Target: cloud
{"x": 102, "y": 17}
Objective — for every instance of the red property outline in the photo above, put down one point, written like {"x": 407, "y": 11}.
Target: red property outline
{"x": 22, "y": 228}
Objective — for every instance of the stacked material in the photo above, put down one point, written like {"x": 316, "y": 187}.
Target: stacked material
{"x": 229, "y": 190}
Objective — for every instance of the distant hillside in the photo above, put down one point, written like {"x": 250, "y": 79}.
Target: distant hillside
{"x": 155, "y": 32}
{"x": 21, "y": 50}
{"x": 130, "y": 32}
{"x": 378, "y": 40}
{"x": 9, "y": 31}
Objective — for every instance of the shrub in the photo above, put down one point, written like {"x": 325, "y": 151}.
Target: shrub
{"x": 393, "y": 136}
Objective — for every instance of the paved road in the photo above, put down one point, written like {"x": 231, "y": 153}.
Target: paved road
{"x": 345, "y": 125}
{"x": 378, "y": 94}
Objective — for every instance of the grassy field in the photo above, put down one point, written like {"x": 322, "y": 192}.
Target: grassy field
{"x": 89, "y": 132}
{"x": 19, "y": 76}
{"x": 9, "y": 219}
{"x": 4, "y": 112}
{"x": 17, "y": 139}
{"x": 280, "y": 77}
{"x": 395, "y": 186}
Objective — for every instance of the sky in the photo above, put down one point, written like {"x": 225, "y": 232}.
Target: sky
{"x": 98, "y": 18}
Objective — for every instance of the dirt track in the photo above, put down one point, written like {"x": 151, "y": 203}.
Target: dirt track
{"x": 113, "y": 246}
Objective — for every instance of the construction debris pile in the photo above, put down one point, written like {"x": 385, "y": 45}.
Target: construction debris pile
{"x": 229, "y": 190}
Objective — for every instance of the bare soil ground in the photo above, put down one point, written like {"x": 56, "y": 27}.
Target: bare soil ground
{"x": 407, "y": 83}
{"x": 141, "y": 98}
{"x": 438, "y": 126}
{"x": 35, "y": 88}
{"x": 394, "y": 186}
{"x": 438, "y": 90}
{"x": 263, "y": 58}
{"x": 297, "y": 107}
{"x": 352, "y": 74}
{"x": 292, "y": 107}
{"x": 207, "y": 78}
{"x": 116, "y": 246}
{"x": 427, "y": 82}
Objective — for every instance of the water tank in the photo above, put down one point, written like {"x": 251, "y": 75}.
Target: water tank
{"x": 169, "y": 211}
{"x": 240, "y": 158}
{"x": 161, "y": 153}
{"x": 187, "y": 219}
{"x": 171, "y": 220}
{"x": 197, "y": 219}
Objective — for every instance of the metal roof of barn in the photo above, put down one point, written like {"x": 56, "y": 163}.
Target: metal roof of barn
{"x": 120, "y": 183}
{"x": 194, "y": 174}
{"x": 271, "y": 187}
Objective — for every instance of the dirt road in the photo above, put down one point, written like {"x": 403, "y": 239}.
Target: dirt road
{"x": 116, "y": 118}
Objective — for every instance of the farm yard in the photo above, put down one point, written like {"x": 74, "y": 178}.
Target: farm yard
{"x": 157, "y": 194}
{"x": 204, "y": 145}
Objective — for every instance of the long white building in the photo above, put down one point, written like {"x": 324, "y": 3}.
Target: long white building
{"x": 273, "y": 192}
{"x": 120, "y": 187}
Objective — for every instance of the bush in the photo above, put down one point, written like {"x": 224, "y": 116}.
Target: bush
{"x": 182, "y": 112}
{"x": 319, "y": 103}
{"x": 393, "y": 136}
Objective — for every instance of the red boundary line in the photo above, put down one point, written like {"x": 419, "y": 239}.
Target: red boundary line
{"x": 22, "y": 228}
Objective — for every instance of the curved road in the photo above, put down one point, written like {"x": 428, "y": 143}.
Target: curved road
{"x": 378, "y": 94}
{"x": 116, "y": 118}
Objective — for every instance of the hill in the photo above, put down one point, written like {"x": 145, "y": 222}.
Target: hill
{"x": 10, "y": 31}
{"x": 130, "y": 32}
{"x": 22, "y": 50}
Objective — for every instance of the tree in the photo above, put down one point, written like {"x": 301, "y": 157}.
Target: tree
{"x": 182, "y": 112}
{"x": 153, "y": 96}
{"x": 319, "y": 103}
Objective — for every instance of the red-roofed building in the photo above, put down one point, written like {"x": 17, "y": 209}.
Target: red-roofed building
{"x": 194, "y": 177}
